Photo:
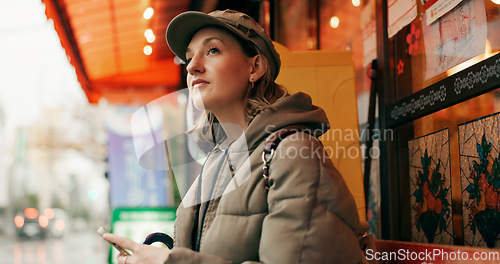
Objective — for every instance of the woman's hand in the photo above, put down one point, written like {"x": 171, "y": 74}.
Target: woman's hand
{"x": 143, "y": 254}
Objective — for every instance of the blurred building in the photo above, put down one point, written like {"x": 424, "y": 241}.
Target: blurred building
{"x": 3, "y": 172}
{"x": 67, "y": 149}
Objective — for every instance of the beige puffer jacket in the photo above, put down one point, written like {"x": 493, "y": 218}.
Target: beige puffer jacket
{"x": 307, "y": 216}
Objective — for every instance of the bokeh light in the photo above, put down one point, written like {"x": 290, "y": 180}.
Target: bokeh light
{"x": 148, "y": 13}
{"x": 334, "y": 22}
{"x": 147, "y": 50}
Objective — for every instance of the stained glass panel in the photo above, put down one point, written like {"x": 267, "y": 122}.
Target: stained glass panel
{"x": 430, "y": 188}
{"x": 480, "y": 174}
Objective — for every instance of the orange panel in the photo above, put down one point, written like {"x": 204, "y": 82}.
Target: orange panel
{"x": 105, "y": 40}
{"x": 88, "y": 42}
{"x": 130, "y": 11}
{"x": 101, "y": 65}
{"x": 87, "y": 8}
{"x": 134, "y": 60}
{"x": 92, "y": 23}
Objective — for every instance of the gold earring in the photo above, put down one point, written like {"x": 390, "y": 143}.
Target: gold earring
{"x": 253, "y": 84}
{"x": 251, "y": 81}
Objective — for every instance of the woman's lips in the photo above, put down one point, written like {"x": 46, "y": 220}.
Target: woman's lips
{"x": 198, "y": 83}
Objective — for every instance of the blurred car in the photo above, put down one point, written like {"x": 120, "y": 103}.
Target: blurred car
{"x": 59, "y": 221}
{"x": 32, "y": 223}
{"x": 28, "y": 223}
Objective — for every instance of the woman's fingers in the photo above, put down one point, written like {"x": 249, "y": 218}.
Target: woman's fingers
{"x": 120, "y": 241}
{"x": 143, "y": 254}
{"x": 122, "y": 259}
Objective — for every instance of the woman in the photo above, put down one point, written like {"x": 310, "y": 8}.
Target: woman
{"x": 307, "y": 214}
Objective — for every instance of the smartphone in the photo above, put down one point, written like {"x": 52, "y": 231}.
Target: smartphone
{"x": 103, "y": 231}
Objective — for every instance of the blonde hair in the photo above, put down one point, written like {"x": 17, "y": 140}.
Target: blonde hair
{"x": 264, "y": 93}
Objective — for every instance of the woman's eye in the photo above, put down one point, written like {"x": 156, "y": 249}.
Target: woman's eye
{"x": 213, "y": 51}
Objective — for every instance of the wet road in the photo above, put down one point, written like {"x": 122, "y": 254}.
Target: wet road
{"x": 81, "y": 248}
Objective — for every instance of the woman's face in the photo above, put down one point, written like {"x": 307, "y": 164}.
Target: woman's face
{"x": 218, "y": 72}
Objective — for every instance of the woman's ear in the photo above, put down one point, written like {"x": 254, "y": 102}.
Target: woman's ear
{"x": 258, "y": 68}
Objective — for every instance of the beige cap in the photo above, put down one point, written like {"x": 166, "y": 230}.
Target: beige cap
{"x": 183, "y": 27}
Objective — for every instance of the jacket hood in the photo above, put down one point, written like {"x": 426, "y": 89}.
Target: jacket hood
{"x": 294, "y": 109}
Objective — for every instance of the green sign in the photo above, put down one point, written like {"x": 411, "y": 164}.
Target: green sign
{"x": 137, "y": 223}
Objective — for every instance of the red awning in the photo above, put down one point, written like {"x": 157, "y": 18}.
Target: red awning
{"x": 105, "y": 42}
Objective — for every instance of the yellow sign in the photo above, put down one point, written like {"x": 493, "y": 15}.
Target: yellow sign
{"x": 328, "y": 77}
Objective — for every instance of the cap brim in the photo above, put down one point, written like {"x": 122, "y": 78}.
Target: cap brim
{"x": 183, "y": 27}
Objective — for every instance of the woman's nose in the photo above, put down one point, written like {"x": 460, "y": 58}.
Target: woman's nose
{"x": 195, "y": 65}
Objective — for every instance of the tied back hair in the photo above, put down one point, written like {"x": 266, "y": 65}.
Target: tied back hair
{"x": 264, "y": 93}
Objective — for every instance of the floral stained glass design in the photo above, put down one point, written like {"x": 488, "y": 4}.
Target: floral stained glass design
{"x": 412, "y": 39}
{"x": 480, "y": 175}
{"x": 430, "y": 188}
{"x": 400, "y": 67}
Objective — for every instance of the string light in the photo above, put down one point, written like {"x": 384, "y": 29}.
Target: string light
{"x": 148, "y": 13}
{"x": 334, "y": 22}
{"x": 150, "y": 36}
{"x": 356, "y": 2}
{"x": 147, "y": 50}
{"x": 151, "y": 39}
